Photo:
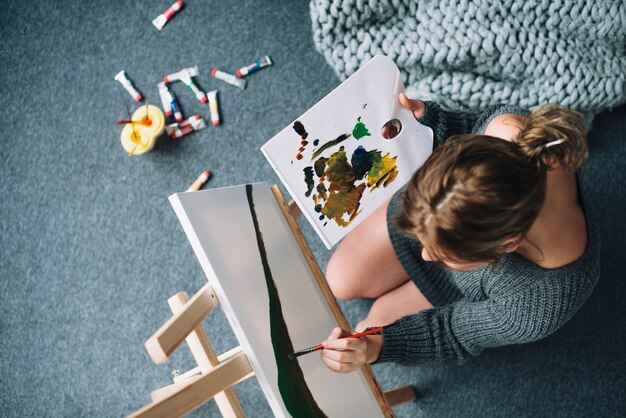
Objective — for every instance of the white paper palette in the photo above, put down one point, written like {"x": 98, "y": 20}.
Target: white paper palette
{"x": 336, "y": 174}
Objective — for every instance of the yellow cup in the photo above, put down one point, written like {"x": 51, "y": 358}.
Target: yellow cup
{"x": 139, "y": 137}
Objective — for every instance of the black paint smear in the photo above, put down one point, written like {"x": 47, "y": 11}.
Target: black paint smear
{"x": 320, "y": 166}
{"x": 321, "y": 190}
{"x": 329, "y": 144}
{"x": 362, "y": 162}
{"x": 308, "y": 179}
{"x": 299, "y": 128}
{"x": 293, "y": 388}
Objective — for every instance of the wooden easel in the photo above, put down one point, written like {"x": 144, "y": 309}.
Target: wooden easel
{"x": 215, "y": 375}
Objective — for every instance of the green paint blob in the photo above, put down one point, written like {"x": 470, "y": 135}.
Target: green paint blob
{"x": 296, "y": 394}
{"x": 360, "y": 130}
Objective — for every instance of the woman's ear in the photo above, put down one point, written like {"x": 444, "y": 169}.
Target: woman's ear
{"x": 510, "y": 244}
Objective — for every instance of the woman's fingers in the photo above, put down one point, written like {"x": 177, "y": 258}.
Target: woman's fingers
{"x": 338, "y": 366}
{"x": 416, "y": 106}
{"x": 356, "y": 357}
{"x": 343, "y": 355}
{"x": 336, "y": 333}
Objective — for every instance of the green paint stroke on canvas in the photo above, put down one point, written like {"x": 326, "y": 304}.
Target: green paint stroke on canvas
{"x": 296, "y": 394}
{"x": 360, "y": 130}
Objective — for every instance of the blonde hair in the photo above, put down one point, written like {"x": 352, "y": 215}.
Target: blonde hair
{"x": 476, "y": 191}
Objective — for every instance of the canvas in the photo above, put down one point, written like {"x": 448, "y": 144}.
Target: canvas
{"x": 334, "y": 159}
{"x": 271, "y": 300}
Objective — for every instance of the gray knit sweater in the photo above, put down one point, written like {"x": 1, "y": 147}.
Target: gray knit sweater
{"x": 510, "y": 302}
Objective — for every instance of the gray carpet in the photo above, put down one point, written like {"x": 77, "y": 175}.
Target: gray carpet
{"x": 91, "y": 250}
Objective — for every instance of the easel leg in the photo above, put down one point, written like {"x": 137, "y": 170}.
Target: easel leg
{"x": 163, "y": 342}
{"x": 200, "y": 390}
{"x": 205, "y": 356}
{"x": 401, "y": 395}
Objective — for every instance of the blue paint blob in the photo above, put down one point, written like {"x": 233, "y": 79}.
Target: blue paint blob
{"x": 315, "y": 142}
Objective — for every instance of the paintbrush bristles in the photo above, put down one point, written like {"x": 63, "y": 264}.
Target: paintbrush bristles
{"x": 305, "y": 351}
{"x": 308, "y": 350}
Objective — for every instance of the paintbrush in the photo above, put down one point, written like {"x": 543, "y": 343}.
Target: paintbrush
{"x": 321, "y": 347}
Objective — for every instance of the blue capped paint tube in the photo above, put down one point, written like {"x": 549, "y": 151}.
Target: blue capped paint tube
{"x": 176, "y": 110}
{"x": 257, "y": 65}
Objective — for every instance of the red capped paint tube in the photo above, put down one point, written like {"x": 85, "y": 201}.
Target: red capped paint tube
{"x": 213, "y": 106}
{"x": 128, "y": 86}
{"x": 199, "y": 182}
{"x": 229, "y": 78}
{"x": 186, "y": 78}
{"x": 166, "y": 99}
{"x": 164, "y": 17}
{"x": 256, "y": 65}
{"x": 177, "y": 130}
{"x": 176, "y": 109}
{"x": 191, "y": 71}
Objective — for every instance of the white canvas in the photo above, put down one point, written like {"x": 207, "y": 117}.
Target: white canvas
{"x": 219, "y": 227}
{"x": 370, "y": 96}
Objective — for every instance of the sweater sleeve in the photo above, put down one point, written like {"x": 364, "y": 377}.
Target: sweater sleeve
{"x": 447, "y": 123}
{"x": 463, "y": 329}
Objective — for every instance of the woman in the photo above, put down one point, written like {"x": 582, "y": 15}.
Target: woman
{"x": 489, "y": 244}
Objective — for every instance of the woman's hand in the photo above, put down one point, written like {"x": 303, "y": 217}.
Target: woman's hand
{"x": 345, "y": 355}
{"x": 416, "y": 106}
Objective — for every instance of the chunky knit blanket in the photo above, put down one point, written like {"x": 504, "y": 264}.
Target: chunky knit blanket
{"x": 476, "y": 53}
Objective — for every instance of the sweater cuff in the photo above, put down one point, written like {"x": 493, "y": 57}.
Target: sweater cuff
{"x": 431, "y": 116}
{"x": 443, "y": 123}
{"x": 406, "y": 341}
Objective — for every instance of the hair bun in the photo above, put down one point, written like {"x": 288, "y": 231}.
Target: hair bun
{"x": 556, "y": 136}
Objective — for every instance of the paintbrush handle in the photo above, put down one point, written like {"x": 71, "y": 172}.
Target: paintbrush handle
{"x": 364, "y": 333}
{"x": 321, "y": 347}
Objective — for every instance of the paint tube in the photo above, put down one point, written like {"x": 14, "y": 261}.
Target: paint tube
{"x": 196, "y": 122}
{"x": 185, "y": 78}
{"x": 191, "y": 71}
{"x": 164, "y": 17}
{"x": 257, "y": 65}
{"x": 166, "y": 99}
{"x": 177, "y": 130}
{"x": 214, "y": 107}
{"x": 229, "y": 78}
{"x": 176, "y": 109}
{"x": 128, "y": 86}
{"x": 199, "y": 182}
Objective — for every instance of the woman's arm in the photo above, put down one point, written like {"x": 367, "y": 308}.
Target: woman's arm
{"x": 463, "y": 329}
{"x": 446, "y": 123}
